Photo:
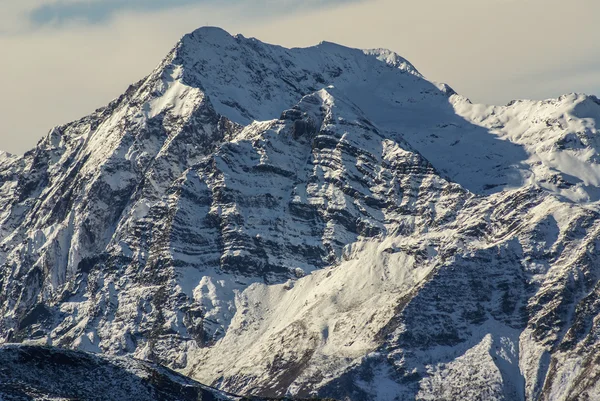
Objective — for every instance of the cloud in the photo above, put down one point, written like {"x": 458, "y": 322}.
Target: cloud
{"x": 98, "y": 11}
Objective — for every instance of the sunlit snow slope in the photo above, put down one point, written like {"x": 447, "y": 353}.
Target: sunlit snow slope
{"x": 314, "y": 222}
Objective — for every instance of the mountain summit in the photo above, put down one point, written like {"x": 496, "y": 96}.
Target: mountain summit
{"x": 313, "y": 222}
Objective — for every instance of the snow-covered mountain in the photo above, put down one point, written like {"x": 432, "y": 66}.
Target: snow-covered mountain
{"x": 314, "y": 222}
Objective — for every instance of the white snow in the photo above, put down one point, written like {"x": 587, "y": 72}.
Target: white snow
{"x": 340, "y": 310}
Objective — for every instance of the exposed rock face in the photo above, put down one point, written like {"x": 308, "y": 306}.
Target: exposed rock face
{"x": 319, "y": 221}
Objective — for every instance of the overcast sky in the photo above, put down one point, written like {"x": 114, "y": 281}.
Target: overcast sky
{"x": 60, "y": 60}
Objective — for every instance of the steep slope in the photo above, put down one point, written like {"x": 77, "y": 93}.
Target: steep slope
{"x": 319, "y": 221}
{"x": 559, "y": 135}
{"x": 473, "y": 308}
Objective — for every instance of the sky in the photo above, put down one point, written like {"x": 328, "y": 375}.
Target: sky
{"x": 62, "y": 59}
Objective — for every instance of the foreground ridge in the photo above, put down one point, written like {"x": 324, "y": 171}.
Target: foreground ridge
{"x": 42, "y": 373}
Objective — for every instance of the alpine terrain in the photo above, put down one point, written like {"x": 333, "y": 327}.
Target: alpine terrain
{"x": 315, "y": 222}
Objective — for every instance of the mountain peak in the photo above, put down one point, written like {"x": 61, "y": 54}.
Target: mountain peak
{"x": 317, "y": 221}
{"x": 209, "y": 33}
{"x": 248, "y": 80}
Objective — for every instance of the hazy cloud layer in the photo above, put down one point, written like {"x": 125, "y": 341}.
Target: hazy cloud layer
{"x": 95, "y": 11}
{"x": 489, "y": 50}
